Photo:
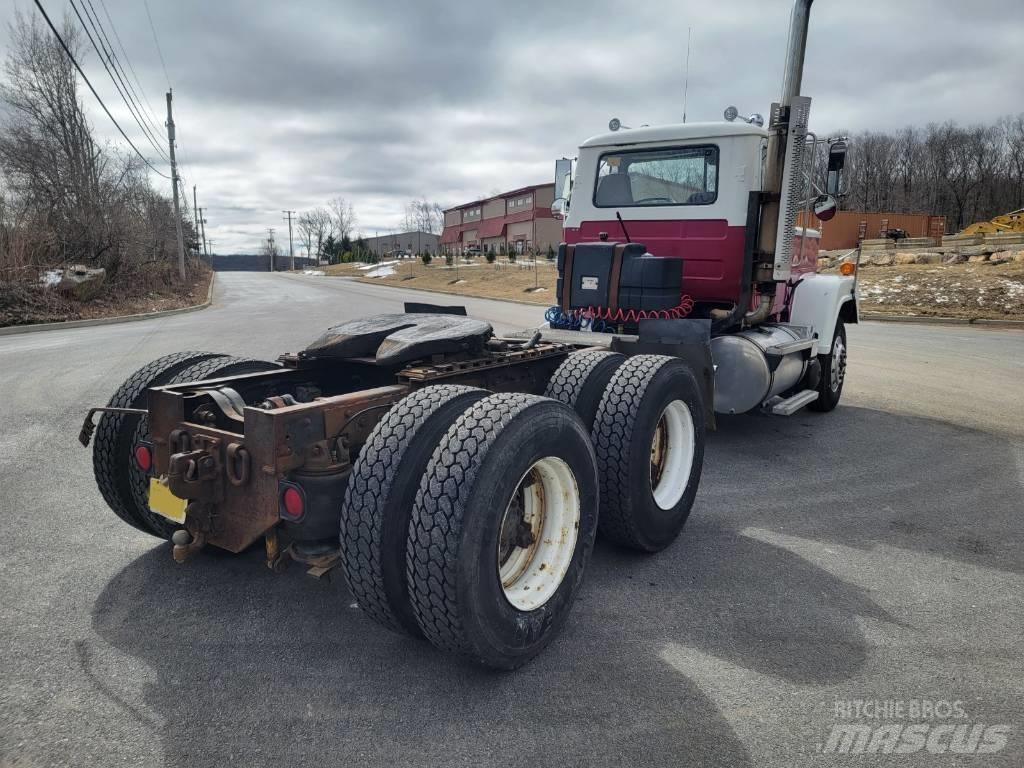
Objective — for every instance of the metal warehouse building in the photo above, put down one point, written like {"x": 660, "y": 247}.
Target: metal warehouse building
{"x": 404, "y": 242}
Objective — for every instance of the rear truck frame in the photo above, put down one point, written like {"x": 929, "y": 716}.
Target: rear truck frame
{"x": 462, "y": 470}
{"x": 457, "y": 479}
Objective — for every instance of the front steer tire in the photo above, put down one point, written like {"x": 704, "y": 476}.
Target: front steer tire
{"x": 380, "y": 495}
{"x": 653, "y": 404}
{"x": 833, "y": 372}
{"x": 112, "y": 459}
{"x": 462, "y": 600}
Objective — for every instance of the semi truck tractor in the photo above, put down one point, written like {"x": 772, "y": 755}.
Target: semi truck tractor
{"x": 456, "y": 478}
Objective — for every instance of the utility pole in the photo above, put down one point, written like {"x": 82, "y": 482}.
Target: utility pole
{"x": 211, "y": 247}
{"x": 270, "y": 243}
{"x": 291, "y": 252}
{"x": 202, "y": 225}
{"x": 195, "y": 216}
{"x": 174, "y": 186}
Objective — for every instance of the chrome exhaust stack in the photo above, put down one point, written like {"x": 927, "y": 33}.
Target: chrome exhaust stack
{"x": 782, "y": 120}
{"x": 793, "y": 74}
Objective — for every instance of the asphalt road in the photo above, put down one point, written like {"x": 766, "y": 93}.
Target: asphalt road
{"x": 874, "y": 553}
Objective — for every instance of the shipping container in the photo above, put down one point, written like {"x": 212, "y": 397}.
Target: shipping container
{"x": 848, "y": 228}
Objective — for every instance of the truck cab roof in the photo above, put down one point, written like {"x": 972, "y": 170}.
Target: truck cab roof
{"x": 673, "y": 132}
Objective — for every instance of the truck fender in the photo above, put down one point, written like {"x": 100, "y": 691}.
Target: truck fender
{"x": 819, "y": 300}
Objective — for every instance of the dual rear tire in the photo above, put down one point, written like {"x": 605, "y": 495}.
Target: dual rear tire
{"x": 469, "y": 520}
{"x": 123, "y": 485}
{"x": 470, "y": 517}
{"x": 647, "y": 420}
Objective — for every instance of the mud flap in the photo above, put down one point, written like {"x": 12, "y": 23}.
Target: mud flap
{"x": 687, "y": 339}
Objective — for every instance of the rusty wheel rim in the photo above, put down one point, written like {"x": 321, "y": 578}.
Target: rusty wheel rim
{"x": 538, "y": 534}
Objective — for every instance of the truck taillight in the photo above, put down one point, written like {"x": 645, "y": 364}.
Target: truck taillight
{"x": 847, "y": 268}
{"x": 144, "y": 457}
{"x": 293, "y": 502}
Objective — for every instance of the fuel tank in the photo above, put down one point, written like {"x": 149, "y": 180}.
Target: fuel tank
{"x": 753, "y": 366}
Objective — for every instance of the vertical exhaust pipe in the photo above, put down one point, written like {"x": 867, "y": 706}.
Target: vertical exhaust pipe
{"x": 793, "y": 73}
{"x": 792, "y": 78}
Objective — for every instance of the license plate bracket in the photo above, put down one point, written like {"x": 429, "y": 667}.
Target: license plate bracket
{"x": 165, "y": 503}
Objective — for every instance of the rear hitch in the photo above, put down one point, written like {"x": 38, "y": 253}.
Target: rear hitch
{"x": 186, "y": 545}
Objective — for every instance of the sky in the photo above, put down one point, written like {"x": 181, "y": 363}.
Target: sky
{"x": 286, "y": 105}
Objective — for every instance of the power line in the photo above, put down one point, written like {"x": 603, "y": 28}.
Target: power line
{"x": 113, "y": 58}
{"x": 163, "y": 64}
{"x": 152, "y": 112}
{"x": 114, "y": 76}
{"x": 153, "y": 120}
{"x": 157, "y": 41}
{"x": 117, "y": 125}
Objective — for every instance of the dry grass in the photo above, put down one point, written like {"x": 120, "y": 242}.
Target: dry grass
{"x": 958, "y": 290}
{"x": 500, "y": 280}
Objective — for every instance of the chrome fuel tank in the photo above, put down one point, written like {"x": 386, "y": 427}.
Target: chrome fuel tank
{"x": 746, "y": 373}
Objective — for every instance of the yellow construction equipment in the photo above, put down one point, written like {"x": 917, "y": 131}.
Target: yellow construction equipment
{"x": 1008, "y": 222}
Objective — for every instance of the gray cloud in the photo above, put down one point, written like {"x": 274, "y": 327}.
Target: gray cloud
{"x": 286, "y": 105}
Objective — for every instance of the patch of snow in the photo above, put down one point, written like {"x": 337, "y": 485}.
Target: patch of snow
{"x": 374, "y": 267}
{"x": 382, "y": 270}
{"x": 51, "y": 277}
{"x": 315, "y": 272}
{"x": 1013, "y": 288}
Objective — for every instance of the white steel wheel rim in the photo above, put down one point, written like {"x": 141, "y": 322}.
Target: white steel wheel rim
{"x": 672, "y": 449}
{"x": 838, "y": 368}
{"x": 545, "y": 508}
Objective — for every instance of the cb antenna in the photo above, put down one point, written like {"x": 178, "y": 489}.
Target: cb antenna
{"x": 686, "y": 80}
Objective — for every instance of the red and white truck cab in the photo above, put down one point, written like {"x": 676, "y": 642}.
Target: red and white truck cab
{"x": 721, "y": 199}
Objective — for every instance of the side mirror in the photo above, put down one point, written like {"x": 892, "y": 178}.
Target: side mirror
{"x": 836, "y": 161}
{"x": 559, "y": 208}
{"x": 825, "y": 207}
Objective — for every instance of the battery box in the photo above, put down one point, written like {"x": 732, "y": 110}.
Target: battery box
{"x": 617, "y": 276}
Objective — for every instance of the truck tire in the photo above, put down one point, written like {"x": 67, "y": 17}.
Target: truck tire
{"x": 210, "y": 368}
{"x": 502, "y": 528}
{"x": 581, "y": 379}
{"x": 649, "y": 440}
{"x": 112, "y": 459}
{"x": 381, "y": 491}
{"x": 833, "y": 372}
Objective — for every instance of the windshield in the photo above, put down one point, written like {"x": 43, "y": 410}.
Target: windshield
{"x": 674, "y": 176}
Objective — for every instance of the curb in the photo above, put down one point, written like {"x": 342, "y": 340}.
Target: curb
{"x": 922, "y": 319}
{"x": 13, "y": 330}
{"x": 927, "y": 320}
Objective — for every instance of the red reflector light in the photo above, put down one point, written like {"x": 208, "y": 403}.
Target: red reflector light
{"x": 144, "y": 457}
{"x": 292, "y": 502}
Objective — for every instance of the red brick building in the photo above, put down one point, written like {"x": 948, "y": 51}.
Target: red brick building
{"x": 518, "y": 221}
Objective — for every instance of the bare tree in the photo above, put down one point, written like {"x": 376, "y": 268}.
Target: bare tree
{"x": 1013, "y": 131}
{"x": 966, "y": 174}
{"x": 67, "y": 198}
{"x": 423, "y": 215}
{"x": 343, "y": 217}
{"x": 315, "y": 226}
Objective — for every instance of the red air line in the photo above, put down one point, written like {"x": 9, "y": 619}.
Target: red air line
{"x": 633, "y": 315}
